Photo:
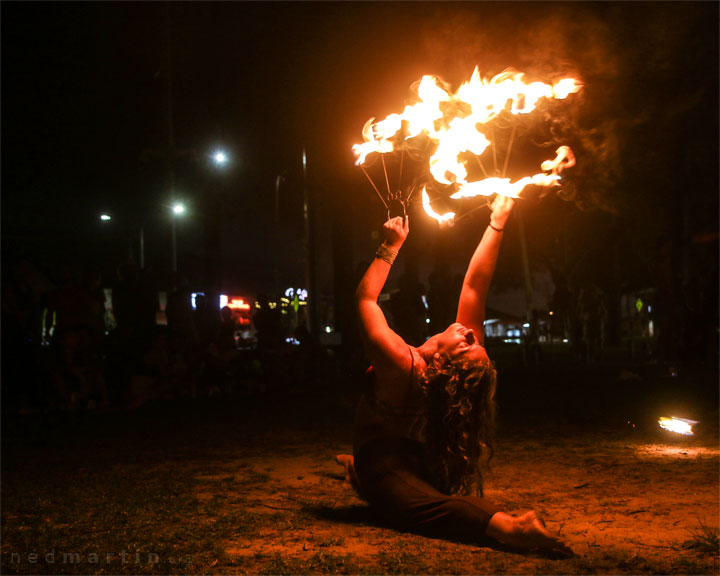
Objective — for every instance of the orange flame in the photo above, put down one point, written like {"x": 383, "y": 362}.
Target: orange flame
{"x": 447, "y": 217}
{"x": 455, "y": 123}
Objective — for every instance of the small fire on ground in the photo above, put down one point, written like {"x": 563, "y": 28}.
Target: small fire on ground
{"x": 678, "y": 425}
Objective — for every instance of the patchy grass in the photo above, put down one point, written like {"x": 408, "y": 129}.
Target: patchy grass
{"x": 704, "y": 538}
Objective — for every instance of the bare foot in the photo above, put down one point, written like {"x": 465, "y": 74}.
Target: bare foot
{"x": 348, "y": 462}
{"x": 527, "y": 532}
{"x": 536, "y": 536}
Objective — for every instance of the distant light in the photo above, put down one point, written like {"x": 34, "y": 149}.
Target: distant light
{"x": 328, "y": 329}
{"x": 193, "y": 299}
{"x": 301, "y": 294}
{"x": 178, "y": 209}
{"x": 220, "y": 158}
{"x": 234, "y": 303}
{"x": 551, "y": 312}
{"x": 427, "y": 320}
{"x": 238, "y": 304}
{"x": 566, "y": 340}
{"x": 105, "y": 217}
{"x": 526, "y": 325}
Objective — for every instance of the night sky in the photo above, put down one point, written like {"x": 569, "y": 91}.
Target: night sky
{"x": 84, "y": 121}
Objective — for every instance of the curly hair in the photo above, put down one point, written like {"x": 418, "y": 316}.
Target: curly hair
{"x": 459, "y": 423}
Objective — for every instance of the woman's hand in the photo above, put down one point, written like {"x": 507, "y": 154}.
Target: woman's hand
{"x": 396, "y": 230}
{"x": 501, "y": 208}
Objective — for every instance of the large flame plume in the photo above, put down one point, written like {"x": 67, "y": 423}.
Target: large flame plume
{"x": 457, "y": 123}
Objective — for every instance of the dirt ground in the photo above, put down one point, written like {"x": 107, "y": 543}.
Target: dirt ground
{"x": 626, "y": 505}
{"x": 248, "y": 485}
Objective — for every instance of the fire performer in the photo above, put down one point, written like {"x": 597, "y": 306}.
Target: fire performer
{"x": 424, "y": 426}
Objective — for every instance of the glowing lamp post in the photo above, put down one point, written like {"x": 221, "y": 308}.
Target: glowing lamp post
{"x": 219, "y": 163}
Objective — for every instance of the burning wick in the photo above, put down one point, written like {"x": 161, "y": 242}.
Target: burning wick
{"x": 678, "y": 425}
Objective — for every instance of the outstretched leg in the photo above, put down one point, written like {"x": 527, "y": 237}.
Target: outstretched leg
{"x": 527, "y": 532}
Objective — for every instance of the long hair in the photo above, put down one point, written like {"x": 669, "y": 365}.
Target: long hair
{"x": 459, "y": 423}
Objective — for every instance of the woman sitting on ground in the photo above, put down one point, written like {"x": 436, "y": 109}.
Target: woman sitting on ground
{"x": 424, "y": 426}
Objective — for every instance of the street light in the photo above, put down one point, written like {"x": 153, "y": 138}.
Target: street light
{"x": 178, "y": 208}
{"x": 212, "y": 203}
{"x": 106, "y": 217}
{"x": 220, "y": 158}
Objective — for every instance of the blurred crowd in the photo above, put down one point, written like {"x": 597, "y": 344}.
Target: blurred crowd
{"x": 69, "y": 345}
{"x": 75, "y": 340}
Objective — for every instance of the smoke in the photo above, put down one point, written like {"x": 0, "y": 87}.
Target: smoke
{"x": 620, "y": 52}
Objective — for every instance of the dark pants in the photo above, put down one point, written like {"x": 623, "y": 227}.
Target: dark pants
{"x": 391, "y": 477}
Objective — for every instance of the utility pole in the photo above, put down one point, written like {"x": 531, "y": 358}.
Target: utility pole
{"x": 525, "y": 264}
{"x": 276, "y": 236}
{"x": 528, "y": 283}
{"x": 169, "y": 142}
{"x": 310, "y": 259}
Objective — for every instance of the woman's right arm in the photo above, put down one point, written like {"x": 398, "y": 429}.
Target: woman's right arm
{"x": 471, "y": 307}
{"x": 385, "y": 349}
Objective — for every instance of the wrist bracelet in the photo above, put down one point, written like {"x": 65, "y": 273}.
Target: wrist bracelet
{"x": 385, "y": 254}
{"x": 496, "y": 229}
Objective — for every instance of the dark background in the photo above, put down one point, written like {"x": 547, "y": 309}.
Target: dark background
{"x": 84, "y": 129}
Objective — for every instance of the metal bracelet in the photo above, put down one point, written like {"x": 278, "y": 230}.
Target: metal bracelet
{"x": 385, "y": 254}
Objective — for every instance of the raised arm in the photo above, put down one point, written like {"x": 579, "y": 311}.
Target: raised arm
{"x": 471, "y": 308}
{"x": 385, "y": 348}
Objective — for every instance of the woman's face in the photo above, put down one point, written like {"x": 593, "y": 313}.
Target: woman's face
{"x": 460, "y": 343}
